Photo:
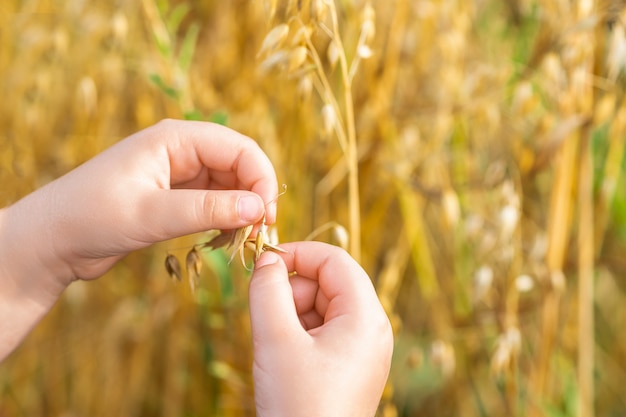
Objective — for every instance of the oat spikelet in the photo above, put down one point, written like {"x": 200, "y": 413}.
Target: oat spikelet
{"x": 260, "y": 241}
{"x": 275, "y": 60}
{"x": 238, "y": 244}
{"x": 274, "y": 38}
{"x": 302, "y": 36}
{"x": 194, "y": 266}
{"x": 332, "y": 54}
{"x": 297, "y": 58}
{"x": 222, "y": 239}
{"x": 341, "y": 236}
{"x": 237, "y": 240}
{"x": 329, "y": 119}
{"x": 172, "y": 266}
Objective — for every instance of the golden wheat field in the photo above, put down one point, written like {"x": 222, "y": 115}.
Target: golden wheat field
{"x": 470, "y": 151}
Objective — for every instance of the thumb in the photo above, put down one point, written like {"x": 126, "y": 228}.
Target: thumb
{"x": 272, "y": 308}
{"x": 180, "y": 212}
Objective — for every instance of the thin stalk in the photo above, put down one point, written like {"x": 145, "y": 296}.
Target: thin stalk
{"x": 352, "y": 150}
{"x": 586, "y": 252}
{"x": 512, "y": 315}
{"x": 610, "y": 175}
{"x": 586, "y": 339}
{"x": 353, "y": 183}
{"x": 326, "y": 93}
{"x": 561, "y": 206}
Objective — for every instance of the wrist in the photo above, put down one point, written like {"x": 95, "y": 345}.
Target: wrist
{"x": 31, "y": 279}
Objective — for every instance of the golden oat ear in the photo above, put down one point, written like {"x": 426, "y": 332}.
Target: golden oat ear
{"x": 222, "y": 239}
{"x": 274, "y": 39}
{"x": 269, "y": 246}
{"x": 239, "y": 241}
{"x": 194, "y": 266}
{"x": 172, "y": 266}
{"x": 261, "y": 242}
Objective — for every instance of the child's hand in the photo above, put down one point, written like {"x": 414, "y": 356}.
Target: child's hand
{"x": 172, "y": 179}
{"x": 322, "y": 341}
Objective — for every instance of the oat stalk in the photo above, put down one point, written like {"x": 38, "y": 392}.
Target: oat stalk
{"x": 352, "y": 150}
{"x": 338, "y": 109}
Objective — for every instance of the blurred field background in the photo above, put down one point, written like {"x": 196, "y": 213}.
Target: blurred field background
{"x": 472, "y": 150}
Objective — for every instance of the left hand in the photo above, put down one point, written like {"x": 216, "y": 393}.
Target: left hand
{"x": 172, "y": 179}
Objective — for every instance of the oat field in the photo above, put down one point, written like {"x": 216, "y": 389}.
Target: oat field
{"x": 471, "y": 153}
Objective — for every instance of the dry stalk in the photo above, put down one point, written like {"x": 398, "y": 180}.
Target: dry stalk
{"x": 559, "y": 226}
{"x": 511, "y": 313}
{"x": 412, "y": 207}
{"x": 338, "y": 118}
{"x": 390, "y": 278}
{"x": 586, "y": 332}
{"x": 586, "y": 264}
{"x": 351, "y": 151}
{"x": 578, "y": 62}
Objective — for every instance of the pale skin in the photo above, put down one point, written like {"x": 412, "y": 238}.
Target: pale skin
{"x": 322, "y": 342}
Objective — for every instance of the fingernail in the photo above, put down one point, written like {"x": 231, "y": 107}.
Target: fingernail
{"x": 267, "y": 258}
{"x": 250, "y": 208}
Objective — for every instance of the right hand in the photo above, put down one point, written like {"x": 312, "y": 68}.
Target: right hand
{"x": 322, "y": 341}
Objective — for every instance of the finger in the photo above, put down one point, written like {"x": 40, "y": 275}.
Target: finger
{"x": 173, "y": 213}
{"x": 344, "y": 287}
{"x": 272, "y": 310}
{"x": 219, "y": 148}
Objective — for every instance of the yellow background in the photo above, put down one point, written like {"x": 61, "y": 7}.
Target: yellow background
{"x": 489, "y": 138}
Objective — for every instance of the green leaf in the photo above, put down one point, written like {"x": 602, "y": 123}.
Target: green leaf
{"x": 217, "y": 260}
{"x": 176, "y": 16}
{"x": 168, "y": 90}
{"x": 194, "y": 115}
{"x": 164, "y": 47}
{"x": 162, "y": 40}
{"x": 163, "y": 6}
{"x": 188, "y": 47}
{"x": 219, "y": 117}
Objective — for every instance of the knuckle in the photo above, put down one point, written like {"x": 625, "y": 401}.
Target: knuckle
{"x": 207, "y": 212}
